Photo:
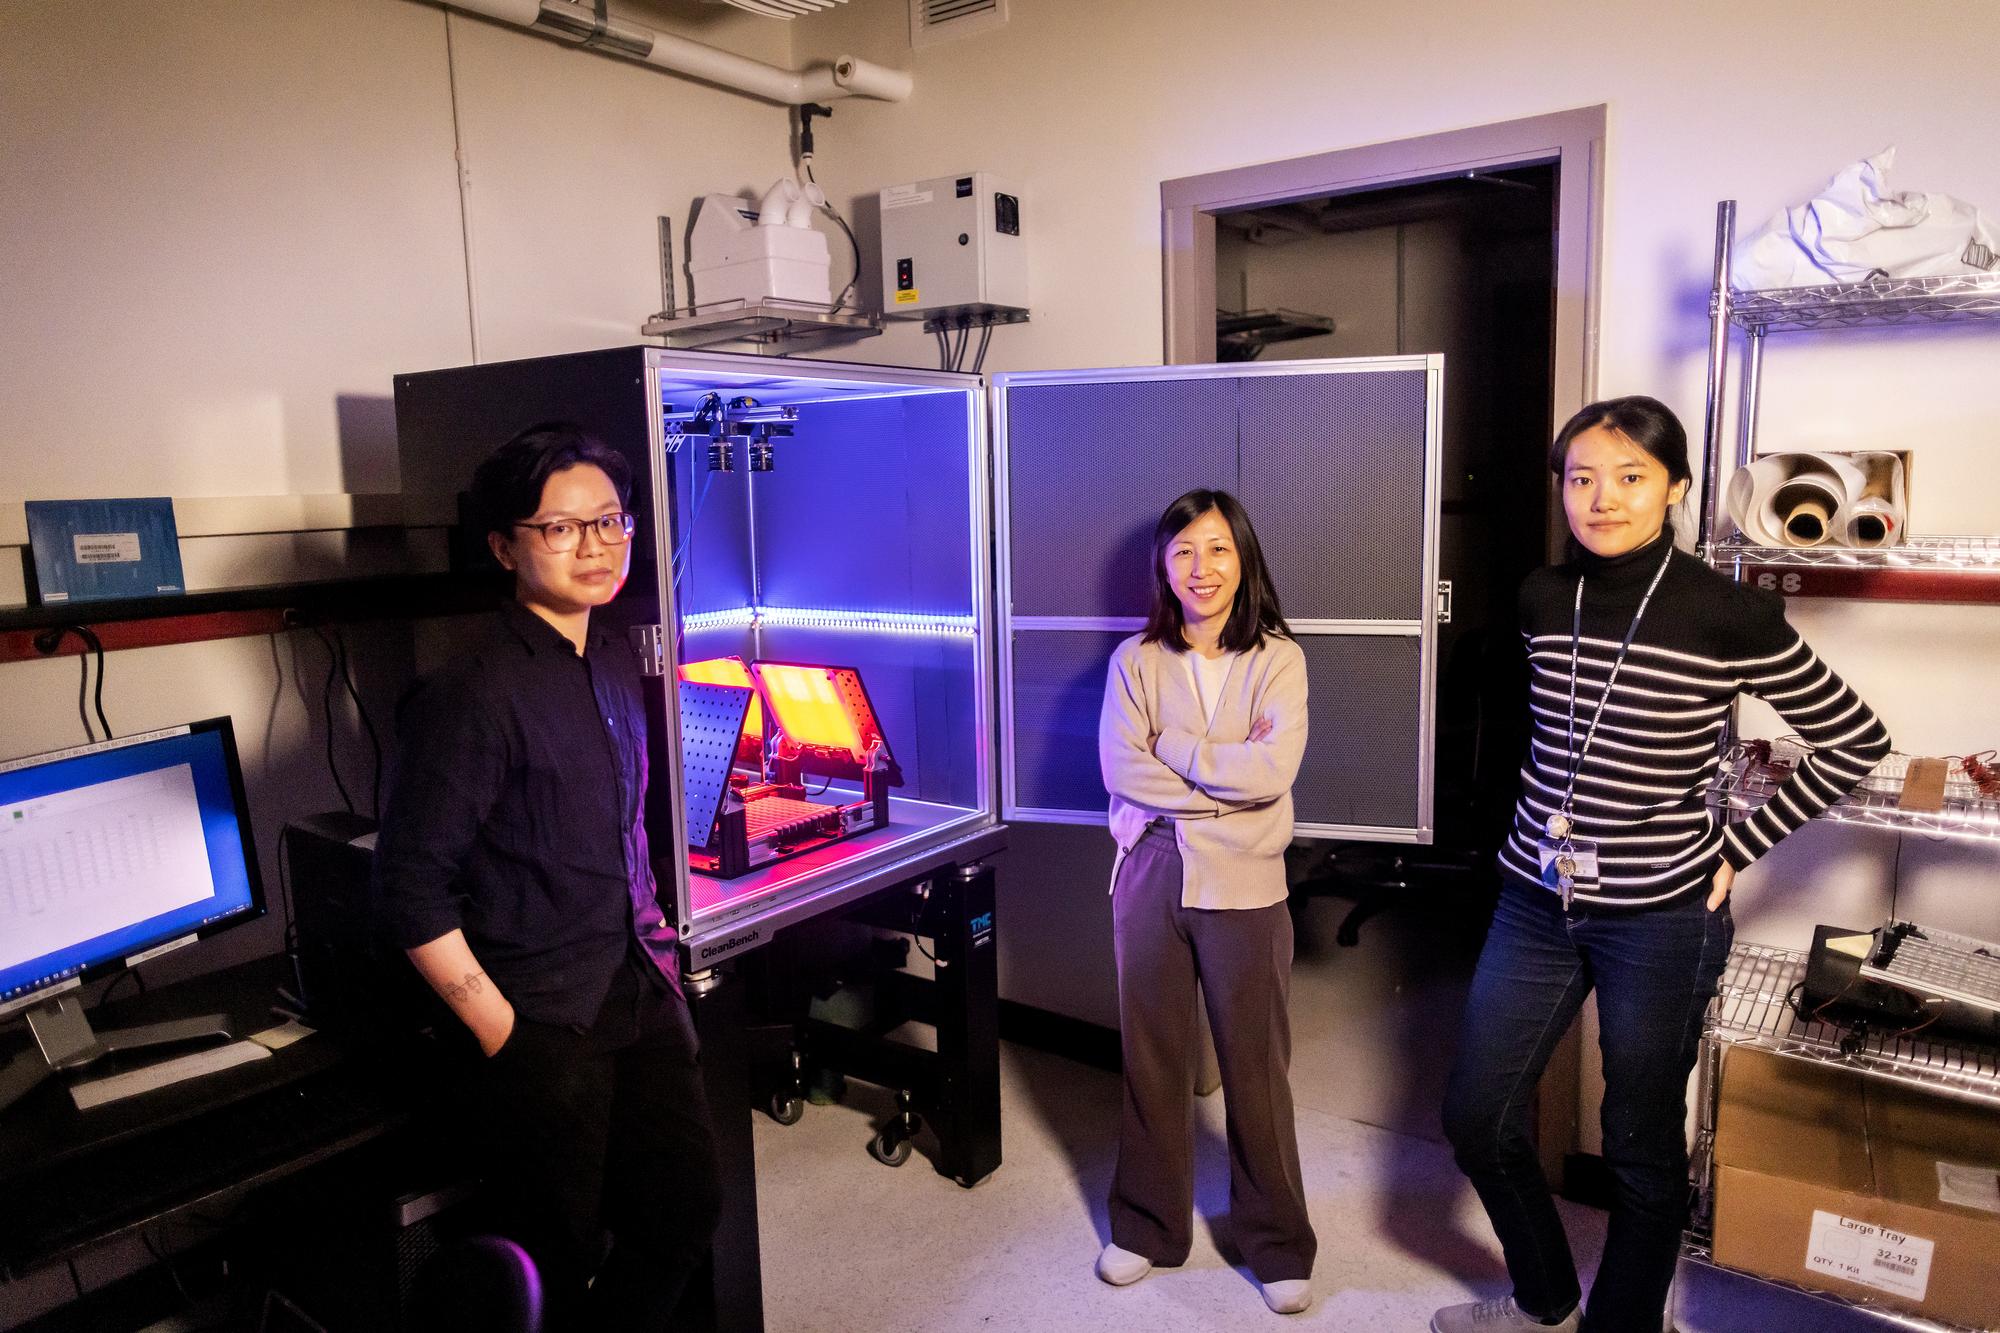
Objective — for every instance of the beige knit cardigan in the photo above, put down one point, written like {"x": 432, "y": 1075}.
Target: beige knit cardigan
{"x": 1230, "y": 797}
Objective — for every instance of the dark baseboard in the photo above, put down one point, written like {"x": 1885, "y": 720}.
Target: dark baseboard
{"x": 1059, "y": 1034}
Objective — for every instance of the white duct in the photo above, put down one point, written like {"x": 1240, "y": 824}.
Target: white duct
{"x": 579, "y": 23}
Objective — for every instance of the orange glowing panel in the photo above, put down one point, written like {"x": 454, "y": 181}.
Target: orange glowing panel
{"x": 727, "y": 671}
{"x": 809, "y": 709}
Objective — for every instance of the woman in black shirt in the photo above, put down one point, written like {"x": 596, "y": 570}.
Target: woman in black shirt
{"x": 513, "y": 868}
{"x": 1616, "y": 875}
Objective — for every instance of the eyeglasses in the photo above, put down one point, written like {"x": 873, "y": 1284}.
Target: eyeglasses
{"x": 566, "y": 534}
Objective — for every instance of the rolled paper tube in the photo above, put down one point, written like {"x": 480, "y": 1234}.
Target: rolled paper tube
{"x": 1808, "y": 511}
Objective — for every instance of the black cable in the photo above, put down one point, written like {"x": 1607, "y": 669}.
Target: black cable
{"x": 944, "y": 352}
{"x": 367, "y": 723}
{"x": 326, "y": 713}
{"x": 285, "y": 890}
{"x": 173, "y": 1270}
{"x": 47, "y": 643}
{"x": 89, "y": 636}
{"x": 75, "y": 1278}
{"x": 131, "y": 973}
{"x": 1896, "y": 877}
{"x": 917, "y": 929}
{"x": 83, "y": 693}
{"x": 985, "y": 337}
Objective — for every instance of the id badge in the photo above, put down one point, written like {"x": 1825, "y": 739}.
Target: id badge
{"x": 1570, "y": 866}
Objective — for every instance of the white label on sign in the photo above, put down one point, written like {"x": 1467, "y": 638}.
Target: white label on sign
{"x": 904, "y": 196}
{"x": 105, "y": 548}
{"x": 1969, "y": 1186}
{"x": 1870, "y": 1255}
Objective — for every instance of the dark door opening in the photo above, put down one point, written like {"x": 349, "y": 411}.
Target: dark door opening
{"x": 1464, "y": 266}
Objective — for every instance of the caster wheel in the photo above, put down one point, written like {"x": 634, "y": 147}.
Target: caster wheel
{"x": 786, "y": 1110}
{"x": 889, "y": 1151}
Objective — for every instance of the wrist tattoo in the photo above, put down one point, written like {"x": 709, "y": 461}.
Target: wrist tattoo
{"x": 456, "y": 992}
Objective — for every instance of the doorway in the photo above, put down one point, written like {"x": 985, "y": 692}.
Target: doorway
{"x": 1479, "y": 244}
{"x": 1463, "y": 266}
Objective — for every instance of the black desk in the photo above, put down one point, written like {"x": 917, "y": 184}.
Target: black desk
{"x": 74, "y": 1180}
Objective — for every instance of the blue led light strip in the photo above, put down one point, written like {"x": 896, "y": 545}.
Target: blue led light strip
{"x": 869, "y": 622}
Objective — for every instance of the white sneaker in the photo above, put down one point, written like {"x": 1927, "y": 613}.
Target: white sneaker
{"x": 1121, "y": 1268}
{"x": 1288, "y": 1297}
{"x": 1496, "y": 1316}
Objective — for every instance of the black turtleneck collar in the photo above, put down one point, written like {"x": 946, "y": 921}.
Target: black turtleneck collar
{"x": 1635, "y": 567}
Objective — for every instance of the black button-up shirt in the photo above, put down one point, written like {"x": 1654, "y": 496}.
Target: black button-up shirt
{"x": 518, "y": 816}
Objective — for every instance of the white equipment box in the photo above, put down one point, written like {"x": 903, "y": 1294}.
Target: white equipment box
{"x": 735, "y": 255}
{"x": 952, "y": 244}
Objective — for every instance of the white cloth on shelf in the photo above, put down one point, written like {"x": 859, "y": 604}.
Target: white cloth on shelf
{"x": 1856, "y": 230}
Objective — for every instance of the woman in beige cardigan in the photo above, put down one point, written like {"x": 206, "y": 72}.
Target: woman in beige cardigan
{"x": 1203, "y": 727}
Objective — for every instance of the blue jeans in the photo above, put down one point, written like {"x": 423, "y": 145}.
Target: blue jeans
{"x": 1654, "y": 970}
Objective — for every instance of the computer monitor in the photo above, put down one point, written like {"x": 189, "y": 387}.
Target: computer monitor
{"x": 111, "y": 854}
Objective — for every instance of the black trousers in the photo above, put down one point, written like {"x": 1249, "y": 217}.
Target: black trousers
{"x": 603, "y": 1129}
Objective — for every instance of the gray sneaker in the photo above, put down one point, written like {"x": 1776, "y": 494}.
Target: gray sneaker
{"x": 1496, "y": 1316}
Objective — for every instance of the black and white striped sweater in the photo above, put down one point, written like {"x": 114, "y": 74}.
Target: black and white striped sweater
{"x": 1641, "y": 792}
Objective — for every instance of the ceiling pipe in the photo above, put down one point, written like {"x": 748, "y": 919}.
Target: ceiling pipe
{"x": 588, "y": 25}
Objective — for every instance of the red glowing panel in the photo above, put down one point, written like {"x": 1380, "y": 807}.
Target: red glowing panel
{"x": 809, "y": 709}
{"x": 727, "y": 671}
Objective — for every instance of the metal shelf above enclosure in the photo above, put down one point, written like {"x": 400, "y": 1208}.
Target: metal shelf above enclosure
{"x": 1885, "y": 301}
{"x": 778, "y": 328}
{"x": 1753, "y": 1008}
{"x": 1967, "y": 816}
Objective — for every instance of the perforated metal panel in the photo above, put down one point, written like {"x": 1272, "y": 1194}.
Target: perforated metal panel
{"x": 711, "y": 720}
{"x": 1332, "y": 474}
{"x": 1090, "y": 467}
{"x": 1058, "y": 694}
{"x": 1335, "y": 463}
{"x": 1364, "y": 741}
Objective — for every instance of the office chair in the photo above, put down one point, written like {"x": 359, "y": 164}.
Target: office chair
{"x": 482, "y": 1284}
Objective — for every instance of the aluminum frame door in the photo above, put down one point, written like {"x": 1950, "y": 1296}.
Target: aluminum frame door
{"x": 1071, "y": 564}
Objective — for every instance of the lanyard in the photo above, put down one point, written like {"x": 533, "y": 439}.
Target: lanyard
{"x": 1575, "y": 652}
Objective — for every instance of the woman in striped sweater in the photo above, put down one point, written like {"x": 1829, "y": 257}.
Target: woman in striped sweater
{"x": 1616, "y": 876}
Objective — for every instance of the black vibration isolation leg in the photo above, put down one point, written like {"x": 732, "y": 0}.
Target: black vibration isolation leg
{"x": 728, "y": 1296}
{"x": 967, "y": 1111}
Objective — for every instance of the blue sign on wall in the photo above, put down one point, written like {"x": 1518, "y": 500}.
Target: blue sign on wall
{"x": 94, "y": 550}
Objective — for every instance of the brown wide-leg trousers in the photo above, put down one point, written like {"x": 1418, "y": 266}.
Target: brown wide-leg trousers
{"x": 1242, "y": 961}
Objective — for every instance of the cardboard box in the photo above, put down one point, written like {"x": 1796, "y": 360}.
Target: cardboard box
{"x": 1872, "y": 1190}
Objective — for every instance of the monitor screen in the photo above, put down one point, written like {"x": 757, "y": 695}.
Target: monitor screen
{"x": 115, "y": 852}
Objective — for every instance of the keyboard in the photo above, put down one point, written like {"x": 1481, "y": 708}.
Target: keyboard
{"x": 88, "y": 1093}
{"x": 136, "y": 1179}
{"x": 1937, "y": 964}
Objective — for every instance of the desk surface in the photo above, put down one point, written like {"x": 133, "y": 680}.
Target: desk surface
{"x": 76, "y": 1178}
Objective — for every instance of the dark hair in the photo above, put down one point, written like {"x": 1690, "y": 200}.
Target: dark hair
{"x": 1255, "y": 613}
{"x": 1647, "y": 422}
{"x": 507, "y": 487}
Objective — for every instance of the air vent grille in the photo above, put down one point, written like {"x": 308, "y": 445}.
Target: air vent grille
{"x": 942, "y": 20}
